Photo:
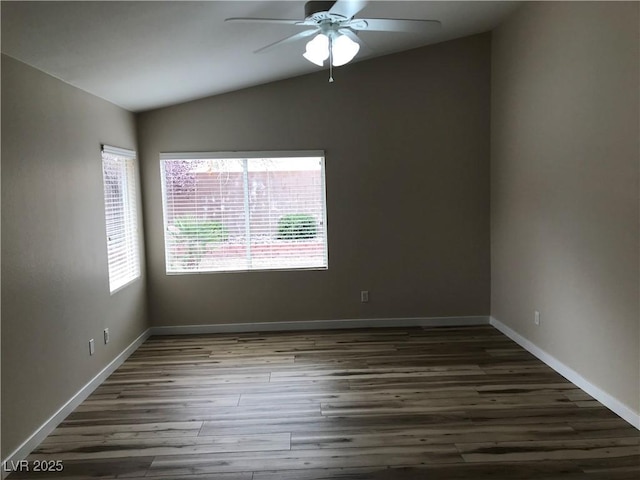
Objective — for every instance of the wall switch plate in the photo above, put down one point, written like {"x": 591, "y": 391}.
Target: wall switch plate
{"x": 92, "y": 347}
{"x": 106, "y": 336}
{"x": 536, "y": 317}
{"x": 364, "y": 296}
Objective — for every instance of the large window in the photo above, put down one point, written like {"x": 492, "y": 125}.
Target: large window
{"x": 118, "y": 169}
{"x": 239, "y": 211}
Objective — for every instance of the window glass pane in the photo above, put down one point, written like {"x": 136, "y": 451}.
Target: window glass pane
{"x": 286, "y": 213}
{"x": 230, "y": 214}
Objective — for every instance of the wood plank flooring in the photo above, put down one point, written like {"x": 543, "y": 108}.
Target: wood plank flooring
{"x": 401, "y": 404}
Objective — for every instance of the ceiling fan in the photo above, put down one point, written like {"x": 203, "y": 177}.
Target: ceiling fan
{"x": 335, "y": 30}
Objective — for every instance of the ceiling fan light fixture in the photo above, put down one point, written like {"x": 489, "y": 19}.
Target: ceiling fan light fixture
{"x": 317, "y": 50}
{"x": 334, "y": 29}
{"x": 344, "y": 50}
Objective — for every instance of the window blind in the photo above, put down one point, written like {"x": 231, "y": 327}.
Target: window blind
{"x": 238, "y": 211}
{"x": 119, "y": 176}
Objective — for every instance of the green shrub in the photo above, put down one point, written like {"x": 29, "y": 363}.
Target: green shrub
{"x": 297, "y": 226}
{"x": 195, "y": 234}
{"x": 203, "y": 231}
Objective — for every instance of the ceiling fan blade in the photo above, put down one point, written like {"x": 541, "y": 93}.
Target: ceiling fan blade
{"x": 347, "y": 8}
{"x": 395, "y": 25}
{"x": 292, "y": 38}
{"x": 283, "y": 21}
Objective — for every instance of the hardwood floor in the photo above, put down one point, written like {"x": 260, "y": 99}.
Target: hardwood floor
{"x": 400, "y": 404}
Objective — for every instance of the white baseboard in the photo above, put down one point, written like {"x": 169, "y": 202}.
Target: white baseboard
{"x": 574, "y": 377}
{"x": 321, "y": 325}
{"x": 47, "y": 427}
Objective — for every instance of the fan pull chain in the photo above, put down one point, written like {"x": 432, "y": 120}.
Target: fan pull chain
{"x": 330, "y": 59}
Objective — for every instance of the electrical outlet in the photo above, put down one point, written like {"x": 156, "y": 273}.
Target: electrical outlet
{"x": 92, "y": 347}
{"x": 364, "y": 296}
{"x": 536, "y": 317}
{"x": 106, "y": 336}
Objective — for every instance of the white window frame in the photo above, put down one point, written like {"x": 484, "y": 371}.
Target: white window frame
{"x": 123, "y": 258}
{"x": 245, "y": 155}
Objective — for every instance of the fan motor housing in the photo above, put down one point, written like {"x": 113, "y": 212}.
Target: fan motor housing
{"x": 318, "y": 10}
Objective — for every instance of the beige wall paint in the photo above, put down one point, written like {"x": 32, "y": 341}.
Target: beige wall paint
{"x": 564, "y": 186}
{"x": 55, "y": 289}
{"x": 407, "y": 144}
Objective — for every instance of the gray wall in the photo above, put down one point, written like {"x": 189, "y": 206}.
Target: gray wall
{"x": 407, "y": 167}
{"x": 55, "y": 289}
{"x": 564, "y": 186}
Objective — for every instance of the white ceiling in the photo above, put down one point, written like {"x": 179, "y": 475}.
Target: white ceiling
{"x": 143, "y": 55}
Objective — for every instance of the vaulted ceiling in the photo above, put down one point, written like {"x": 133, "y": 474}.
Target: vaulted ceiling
{"x": 144, "y": 55}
